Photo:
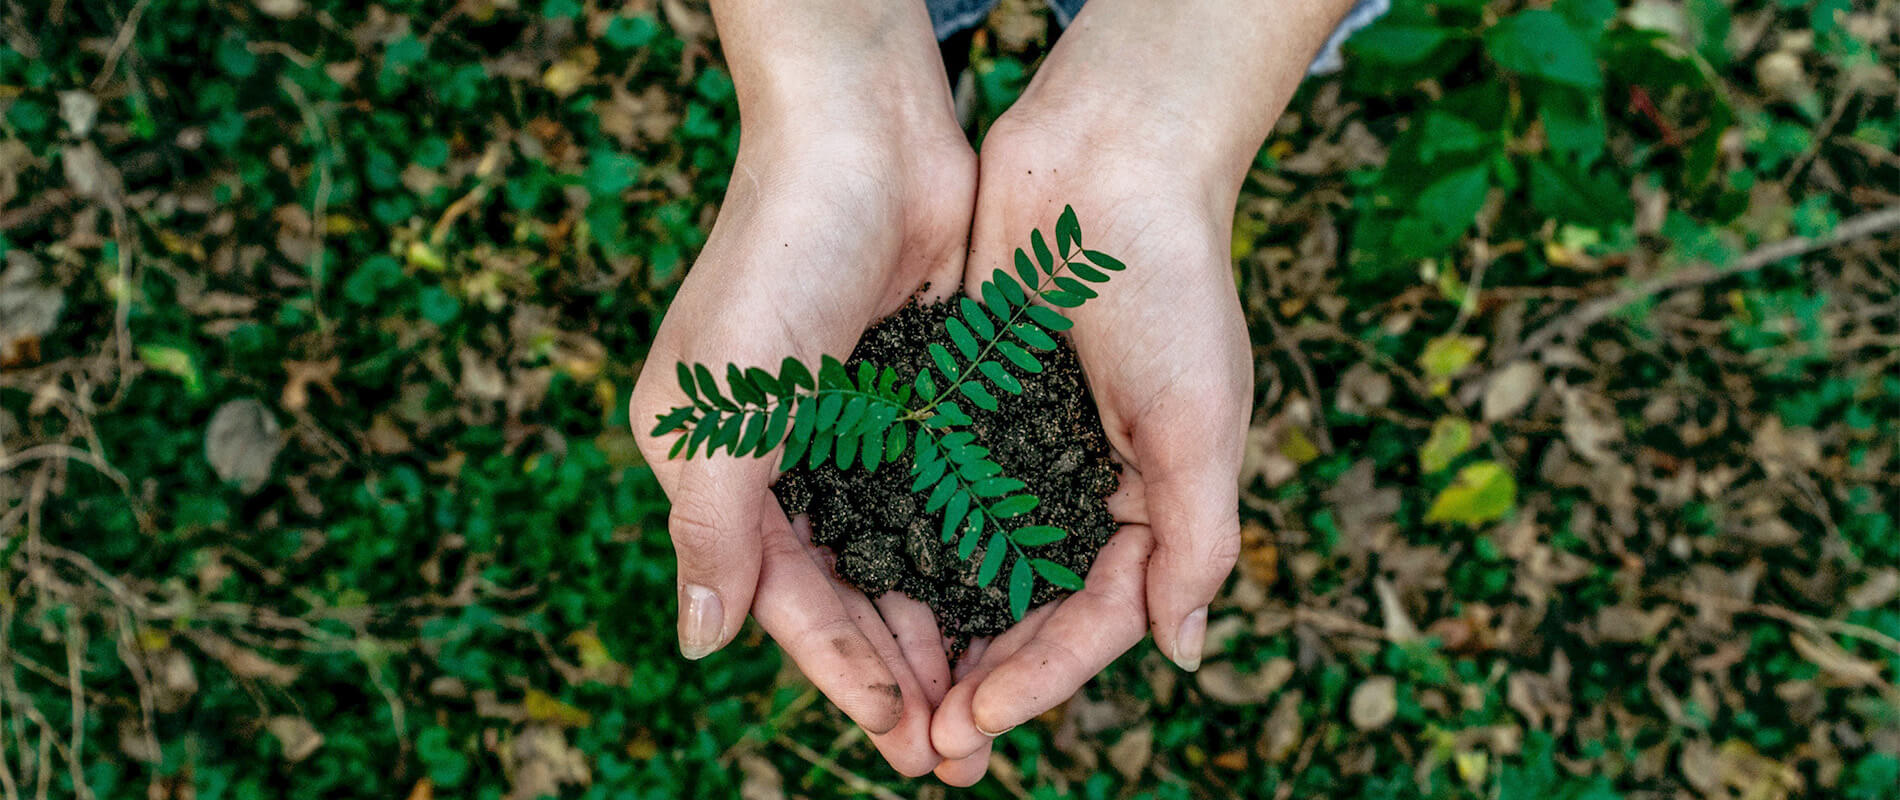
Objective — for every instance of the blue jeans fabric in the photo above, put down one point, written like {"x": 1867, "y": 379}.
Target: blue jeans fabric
{"x": 953, "y": 16}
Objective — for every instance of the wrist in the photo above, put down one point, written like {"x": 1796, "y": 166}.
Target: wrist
{"x": 822, "y": 67}
{"x": 1201, "y": 81}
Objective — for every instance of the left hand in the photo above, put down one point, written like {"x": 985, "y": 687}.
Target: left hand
{"x": 1166, "y": 354}
{"x": 1145, "y": 118}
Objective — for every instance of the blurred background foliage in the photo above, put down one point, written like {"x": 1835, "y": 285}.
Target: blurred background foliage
{"x": 1572, "y": 475}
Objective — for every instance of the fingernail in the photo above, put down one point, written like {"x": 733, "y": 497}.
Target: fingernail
{"x": 702, "y": 619}
{"x": 1189, "y": 640}
{"x": 979, "y": 729}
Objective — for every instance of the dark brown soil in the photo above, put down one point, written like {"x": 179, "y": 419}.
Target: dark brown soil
{"x": 1049, "y": 437}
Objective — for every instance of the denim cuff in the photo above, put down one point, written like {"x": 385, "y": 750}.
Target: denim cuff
{"x": 949, "y": 17}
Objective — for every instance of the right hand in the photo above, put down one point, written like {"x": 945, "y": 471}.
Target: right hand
{"x": 842, "y": 204}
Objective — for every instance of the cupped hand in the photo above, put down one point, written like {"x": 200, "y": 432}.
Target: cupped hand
{"x": 831, "y": 221}
{"x": 1166, "y": 354}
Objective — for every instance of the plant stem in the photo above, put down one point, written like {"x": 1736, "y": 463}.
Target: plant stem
{"x": 1001, "y": 331}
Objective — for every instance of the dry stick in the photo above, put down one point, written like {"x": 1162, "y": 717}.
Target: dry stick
{"x": 1872, "y": 223}
{"x": 1305, "y": 368}
{"x": 1797, "y": 619}
{"x": 857, "y": 782}
{"x": 119, "y": 45}
{"x": 74, "y": 652}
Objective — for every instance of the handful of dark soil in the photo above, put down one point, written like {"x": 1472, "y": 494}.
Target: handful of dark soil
{"x": 1050, "y": 437}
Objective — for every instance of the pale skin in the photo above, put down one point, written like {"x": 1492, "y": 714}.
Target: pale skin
{"x": 853, "y": 187}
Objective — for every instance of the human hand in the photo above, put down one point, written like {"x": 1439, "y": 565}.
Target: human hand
{"x": 1145, "y": 119}
{"x": 853, "y": 187}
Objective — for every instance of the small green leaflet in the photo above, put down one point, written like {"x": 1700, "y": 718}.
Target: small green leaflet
{"x": 1000, "y": 377}
{"x": 1037, "y": 535}
{"x": 1014, "y": 505}
{"x": 673, "y": 420}
{"x": 976, "y": 317}
{"x": 1024, "y": 269}
{"x": 961, "y": 337}
{"x": 1043, "y": 258}
{"x": 1021, "y": 580}
{"x": 992, "y": 560}
{"x": 953, "y": 513}
{"x": 1068, "y": 231}
{"x": 1104, "y": 260}
{"x": 1056, "y": 574}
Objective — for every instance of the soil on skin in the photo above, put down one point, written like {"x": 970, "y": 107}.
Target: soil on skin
{"x": 1049, "y": 437}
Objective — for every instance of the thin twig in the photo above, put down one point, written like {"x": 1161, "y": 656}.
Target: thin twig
{"x": 1872, "y": 223}
{"x": 1798, "y": 619}
{"x": 1293, "y": 353}
{"x": 119, "y": 45}
{"x": 858, "y": 783}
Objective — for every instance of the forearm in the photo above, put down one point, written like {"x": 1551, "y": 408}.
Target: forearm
{"x": 848, "y": 62}
{"x": 1207, "y": 78}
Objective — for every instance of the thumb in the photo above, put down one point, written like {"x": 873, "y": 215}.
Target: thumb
{"x": 715, "y": 525}
{"x": 1193, "y": 502}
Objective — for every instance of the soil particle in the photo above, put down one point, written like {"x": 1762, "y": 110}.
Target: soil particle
{"x": 1049, "y": 436}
